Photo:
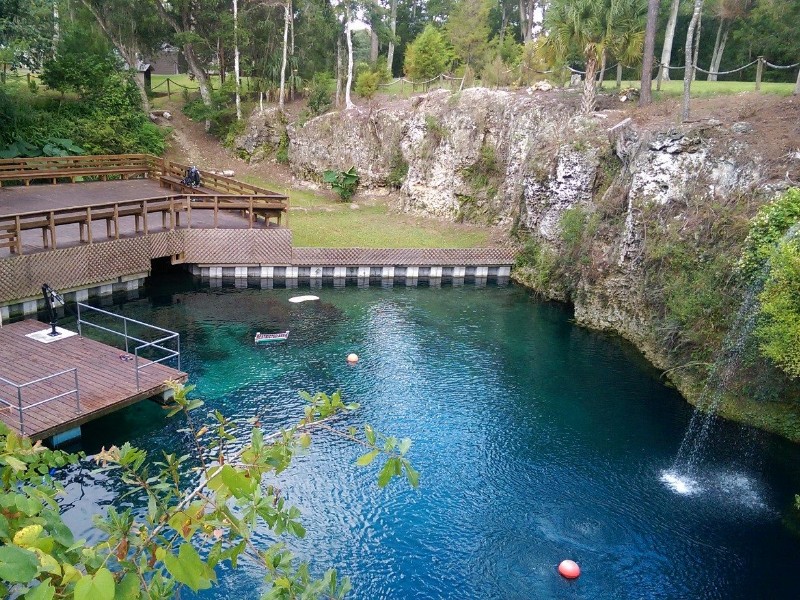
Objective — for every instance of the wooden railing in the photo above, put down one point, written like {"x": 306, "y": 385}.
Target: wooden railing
{"x": 53, "y": 168}
{"x": 220, "y": 183}
{"x": 171, "y": 208}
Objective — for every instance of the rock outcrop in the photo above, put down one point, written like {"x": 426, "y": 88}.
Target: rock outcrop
{"x": 523, "y": 160}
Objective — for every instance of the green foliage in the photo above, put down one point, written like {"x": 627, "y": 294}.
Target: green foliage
{"x": 770, "y": 225}
{"x": 497, "y": 74}
{"x": 320, "y": 94}
{"x": 111, "y": 122}
{"x": 282, "y": 151}
{"x": 534, "y": 266}
{"x": 468, "y": 31}
{"x": 398, "y": 169}
{"x": 427, "y": 56}
{"x": 367, "y": 84}
{"x": 343, "y": 183}
{"x": 484, "y": 172}
{"x": 83, "y": 63}
{"x": 183, "y": 515}
{"x": 779, "y": 329}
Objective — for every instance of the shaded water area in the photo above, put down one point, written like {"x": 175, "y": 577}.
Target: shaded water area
{"x": 536, "y": 440}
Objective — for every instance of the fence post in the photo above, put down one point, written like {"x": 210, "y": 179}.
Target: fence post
{"x": 660, "y": 76}
{"x": 169, "y": 92}
{"x": 759, "y": 72}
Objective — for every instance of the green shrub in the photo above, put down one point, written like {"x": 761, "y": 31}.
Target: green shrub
{"x": 367, "y": 84}
{"x": 534, "y": 265}
{"x": 343, "y": 183}
{"x": 770, "y": 225}
{"x": 282, "y": 152}
{"x": 320, "y": 95}
{"x": 398, "y": 169}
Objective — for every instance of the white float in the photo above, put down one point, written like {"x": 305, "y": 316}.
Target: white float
{"x": 297, "y": 299}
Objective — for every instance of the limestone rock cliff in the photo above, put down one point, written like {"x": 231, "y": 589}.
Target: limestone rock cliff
{"x": 523, "y": 161}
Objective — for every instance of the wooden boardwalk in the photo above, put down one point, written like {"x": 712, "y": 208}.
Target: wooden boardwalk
{"x": 106, "y": 380}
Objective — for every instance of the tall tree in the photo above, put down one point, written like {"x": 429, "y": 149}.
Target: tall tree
{"x": 393, "y": 31}
{"x": 131, "y": 27}
{"x": 646, "y": 89}
{"x": 468, "y": 31}
{"x": 727, "y": 12}
{"x": 688, "y": 73}
{"x": 427, "y": 56}
{"x": 669, "y": 36}
{"x": 348, "y": 22}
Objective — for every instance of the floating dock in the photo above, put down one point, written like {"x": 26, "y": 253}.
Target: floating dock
{"x": 51, "y": 387}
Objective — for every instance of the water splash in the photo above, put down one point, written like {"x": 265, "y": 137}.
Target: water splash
{"x": 684, "y": 467}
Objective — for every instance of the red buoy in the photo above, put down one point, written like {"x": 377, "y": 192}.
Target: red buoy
{"x": 569, "y": 569}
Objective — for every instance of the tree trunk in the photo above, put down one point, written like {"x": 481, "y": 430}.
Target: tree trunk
{"x": 393, "y": 28}
{"x": 236, "y": 77}
{"x": 348, "y": 103}
{"x": 687, "y": 73}
{"x": 589, "y": 92}
{"x": 197, "y": 71}
{"x": 619, "y": 76}
{"x": 281, "y": 94}
{"x": 716, "y": 60}
{"x": 797, "y": 85}
{"x": 669, "y": 36}
{"x": 291, "y": 28}
{"x": 373, "y": 45}
{"x": 56, "y": 28}
{"x": 523, "y": 21}
{"x": 338, "y": 70}
{"x": 698, "y": 30}
{"x": 646, "y": 88}
{"x": 602, "y": 71}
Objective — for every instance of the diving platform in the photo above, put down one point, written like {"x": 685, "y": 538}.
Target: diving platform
{"x": 54, "y": 384}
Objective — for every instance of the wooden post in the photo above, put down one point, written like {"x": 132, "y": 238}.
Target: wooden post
{"x": 660, "y": 76}
{"x": 169, "y": 92}
{"x": 759, "y": 72}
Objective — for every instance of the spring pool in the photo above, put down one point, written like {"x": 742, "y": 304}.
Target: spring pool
{"x": 536, "y": 440}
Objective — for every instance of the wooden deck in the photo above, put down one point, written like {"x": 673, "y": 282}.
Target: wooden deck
{"x": 106, "y": 381}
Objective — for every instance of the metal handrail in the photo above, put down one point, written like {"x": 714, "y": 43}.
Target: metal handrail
{"x": 157, "y": 344}
{"x": 20, "y": 386}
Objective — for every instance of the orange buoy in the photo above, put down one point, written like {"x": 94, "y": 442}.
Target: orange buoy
{"x": 352, "y": 358}
{"x": 569, "y": 569}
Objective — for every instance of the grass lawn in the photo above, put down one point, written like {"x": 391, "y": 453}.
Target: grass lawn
{"x": 324, "y": 223}
{"x": 705, "y": 89}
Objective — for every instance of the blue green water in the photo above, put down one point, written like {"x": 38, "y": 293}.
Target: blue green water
{"x": 537, "y": 441}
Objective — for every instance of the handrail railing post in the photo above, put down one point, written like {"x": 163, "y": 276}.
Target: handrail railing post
{"x": 136, "y": 366}
{"x": 19, "y": 403}
{"x": 125, "y": 326}
{"x": 78, "y": 304}
{"x": 77, "y": 390}
{"x": 178, "y": 338}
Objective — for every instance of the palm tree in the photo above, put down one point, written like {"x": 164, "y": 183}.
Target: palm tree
{"x": 626, "y": 31}
{"x": 578, "y": 28}
{"x": 589, "y": 28}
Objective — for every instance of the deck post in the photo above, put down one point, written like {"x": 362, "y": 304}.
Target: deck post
{"x": 77, "y": 390}
{"x": 179, "y": 352}
{"x": 136, "y": 366}
{"x": 19, "y": 403}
